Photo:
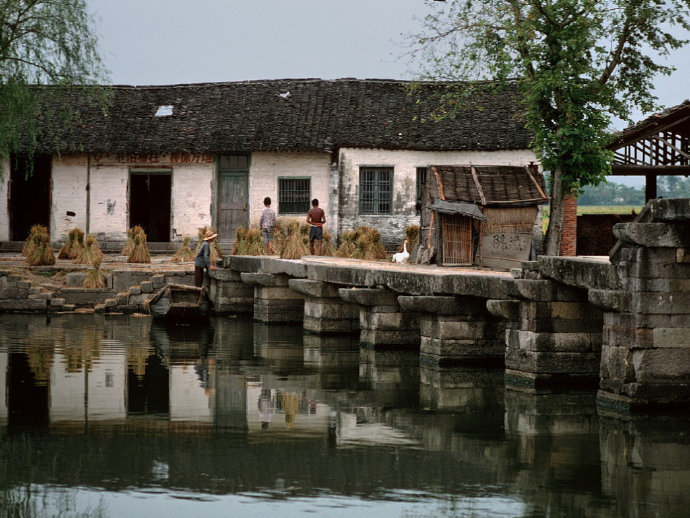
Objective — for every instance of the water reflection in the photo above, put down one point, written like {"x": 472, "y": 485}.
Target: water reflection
{"x": 120, "y": 412}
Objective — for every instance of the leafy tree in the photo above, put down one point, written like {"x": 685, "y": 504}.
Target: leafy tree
{"x": 578, "y": 64}
{"x": 46, "y": 42}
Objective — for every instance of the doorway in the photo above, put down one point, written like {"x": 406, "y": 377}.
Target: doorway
{"x": 30, "y": 190}
{"x": 149, "y": 203}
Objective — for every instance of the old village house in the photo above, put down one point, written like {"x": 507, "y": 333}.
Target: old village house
{"x": 176, "y": 158}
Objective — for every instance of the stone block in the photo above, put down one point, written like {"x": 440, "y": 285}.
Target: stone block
{"x": 75, "y": 279}
{"x": 99, "y": 308}
{"x": 34, "y": 291}
{"x": 552, "y": 362}
{"x": 23, "y": 305}
{"x": 40, "y": 295}
{"x": 123, "y": 279}
{"x": 665, "y": 235}
{"x": 122, "y": 298}
{"x": 388, "y": 321}
{"x": 314, "y": 288}
{"x": 57, "y": 302}
{"x": 660, "y": 365}
{"x": 225, "y": 275}
{"x": 629, "y": 337}
{"x": 158, "y": 281}
{"x": 554, "y": 342}
{"x": 616, "y": 364}
{"x": 548, "y": 291}
{"x": 389, "y": 338}
{"x": 111, "y": 303}
{"x": 337, "y": 310}
{"x": 276, "y": 293}
{"x": 506, "y": 309}
{"x": 660, "y": 303}
{"x": 369, "y": 296}
{"x": 134, "y": 290}
{"x": 146, "y": 287}
{"x": 23, "y": 285}
{"x": 547, "y": 325}
{"x": 327, "y": 326}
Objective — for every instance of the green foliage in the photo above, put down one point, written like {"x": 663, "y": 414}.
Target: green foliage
{"x": 43, "y": 42}
{"x": 577, "y": 64}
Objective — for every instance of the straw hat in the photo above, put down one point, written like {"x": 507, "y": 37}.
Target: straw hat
{"x": 209, "y": 235}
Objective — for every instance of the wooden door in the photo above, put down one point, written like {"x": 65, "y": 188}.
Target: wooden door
{"x": 233, "y": 204}
{"x": 456, "y": 240}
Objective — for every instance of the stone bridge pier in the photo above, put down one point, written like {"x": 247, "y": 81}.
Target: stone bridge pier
{"x": 456, "y": 330}
{"x": 553, "y": 337}
{"x": 325, "y": 312}
{"x": 274, "y": 301}
{"x": 382, "y": 322}
{"x": 645, "y": 363}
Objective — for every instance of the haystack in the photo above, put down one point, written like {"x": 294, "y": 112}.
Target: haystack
{"x": 294, "y": 247}
{"x": 140, "y": 252}
{"x": 30, "y": 241}
{"x": 91, "y": 251}
{"x": 95, "y": 278}
{"x": 39, "y": 250}
{"x": 184, "y": 253}
{"x": 73, "y": 246}
{"x": 129, "y": 245}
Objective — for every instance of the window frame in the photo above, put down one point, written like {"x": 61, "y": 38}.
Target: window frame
{"x": 307, "y": 202}
{"x": 377, "y": 191}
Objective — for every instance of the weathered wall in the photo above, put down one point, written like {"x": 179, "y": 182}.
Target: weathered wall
{"x": 192, "y": 199}
{"x": 4, "y": 203}
{"x": 405, "y": 163}
{"x": 266, "y": 168}
{"x": 70, "y": 179}
{"x": 108, "y": 207}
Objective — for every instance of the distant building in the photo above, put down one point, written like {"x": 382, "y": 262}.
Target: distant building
{"x": 176, "y": 158}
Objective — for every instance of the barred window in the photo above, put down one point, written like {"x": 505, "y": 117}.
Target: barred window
{"x": 375, "y": 190}
{"x": 294, "y": 195}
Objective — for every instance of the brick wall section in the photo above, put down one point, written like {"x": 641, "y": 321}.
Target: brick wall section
{"x": 569, "y": 236}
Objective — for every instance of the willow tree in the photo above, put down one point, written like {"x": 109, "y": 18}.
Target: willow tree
{"x": 42, "y": 42}
{"x": 578, "y": 65}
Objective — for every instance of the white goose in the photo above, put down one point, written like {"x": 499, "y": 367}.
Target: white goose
{"x": 402, "y": 257}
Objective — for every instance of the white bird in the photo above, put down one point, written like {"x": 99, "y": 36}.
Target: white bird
{"x": 284, "y": 95}
{"x": 402, "y": 257}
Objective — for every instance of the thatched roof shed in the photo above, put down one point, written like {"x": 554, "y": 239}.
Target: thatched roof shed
{"x": 480, "y": 215}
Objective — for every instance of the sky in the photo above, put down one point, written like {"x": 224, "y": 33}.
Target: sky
{"x": 149, "y": 42}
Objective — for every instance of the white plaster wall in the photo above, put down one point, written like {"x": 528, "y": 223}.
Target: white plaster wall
{"x": 192, "y": 199}
{"x": 4, "y": 200}
{"x": 66, "y": 392}
{"x": 70, "y": 178}
{"x": 109, "y": 206}
{"x": 404, "y": 163}
{"x": 189, "y": 400}
{"x": 266, "y": 168}
{"x": 107, "y": 387}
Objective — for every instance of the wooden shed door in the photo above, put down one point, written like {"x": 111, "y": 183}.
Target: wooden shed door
{"x": 233, "y": 204}
{"x": 456, "y": 240}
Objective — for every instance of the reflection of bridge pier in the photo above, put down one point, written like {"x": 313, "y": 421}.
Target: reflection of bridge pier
{"x": 645, "y": 466}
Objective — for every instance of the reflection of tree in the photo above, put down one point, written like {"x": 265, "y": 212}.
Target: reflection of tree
{"x": 136, "y": 359}
{"x": 80, "y": 347}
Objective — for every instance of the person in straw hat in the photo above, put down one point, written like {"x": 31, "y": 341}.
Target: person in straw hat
{"x": 203, "y": 258}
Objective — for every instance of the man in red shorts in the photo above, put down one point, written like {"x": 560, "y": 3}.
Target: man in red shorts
{"x": 316, "y": 217}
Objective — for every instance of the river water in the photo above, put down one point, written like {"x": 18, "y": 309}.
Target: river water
{"x": 119, "y": 416}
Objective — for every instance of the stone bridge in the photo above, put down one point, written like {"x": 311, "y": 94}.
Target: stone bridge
{"x": 621, "y": 324}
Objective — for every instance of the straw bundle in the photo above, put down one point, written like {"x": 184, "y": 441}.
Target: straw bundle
{"x": 327, "y": 248}
{"x": 412, "y": 236}
{"x": 129, "y": 245}
{"x": 368, "y": 245}
{"x": 95, "y": 278}
{"x": 39, "y": 250}
{"x": 140, "y": 252}
{"x": 248, "y": 242}
{"x": 184, "y": 253}
{"x": 90, "y": 252}
{"x": 294, "y": 247}
{"x": 347, "y": 244}
{"x": 73, "y": 246}
{"x": 30, "y": 242}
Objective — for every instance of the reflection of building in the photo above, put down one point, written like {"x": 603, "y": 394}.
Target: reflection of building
{"x": 3, "y": 385}
{"x": 95, "y": 394}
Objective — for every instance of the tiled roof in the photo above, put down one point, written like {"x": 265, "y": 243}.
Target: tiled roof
{"x": 282, "y": 115}
{"x": 653, "y": 125}
{"x": 487, "y": 185}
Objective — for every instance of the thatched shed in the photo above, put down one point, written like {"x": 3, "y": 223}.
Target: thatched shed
{"x": 479, "y": 215}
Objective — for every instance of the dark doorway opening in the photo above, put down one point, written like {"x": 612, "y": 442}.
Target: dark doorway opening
{"x": 149, "y": 204}
{"x": 29, "y": 194}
